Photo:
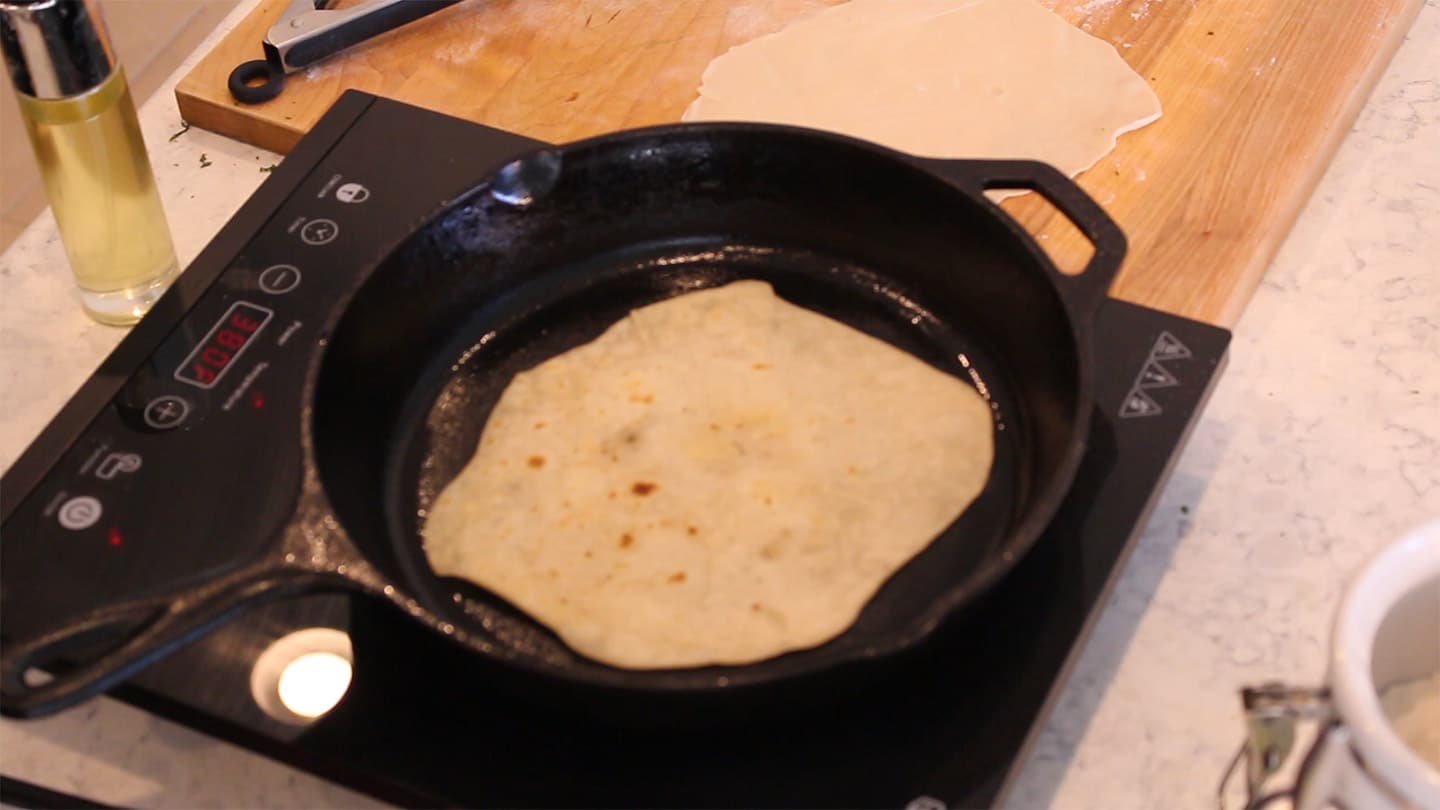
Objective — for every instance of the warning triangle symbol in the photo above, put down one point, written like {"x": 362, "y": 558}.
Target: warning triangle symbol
{"x": 1139, "y": 404}
{"x": 1155, "y": 375}
{"x": 1168, "y": 347}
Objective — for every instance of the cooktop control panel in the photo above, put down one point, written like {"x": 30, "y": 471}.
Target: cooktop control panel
{"x": 194, "y": 466}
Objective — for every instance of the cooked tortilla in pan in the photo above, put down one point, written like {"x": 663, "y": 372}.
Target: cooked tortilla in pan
{"x": 719, "y": 478}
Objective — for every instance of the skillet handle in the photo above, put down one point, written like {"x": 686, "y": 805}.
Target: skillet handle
{"x": 144, "y": 631}
{"x": 1083, "y": 291}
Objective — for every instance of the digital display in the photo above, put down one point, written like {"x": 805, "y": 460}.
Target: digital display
{"x": 225, "y": 342}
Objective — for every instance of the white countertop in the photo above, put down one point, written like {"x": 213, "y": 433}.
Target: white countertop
{"x": 1321, "y": 443}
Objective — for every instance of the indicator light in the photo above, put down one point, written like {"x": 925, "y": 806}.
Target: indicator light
{"x": 312, "y": 684}
{"x": 301, "y": 676}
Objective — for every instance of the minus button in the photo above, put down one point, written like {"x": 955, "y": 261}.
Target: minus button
{"x": 279, "y": 279}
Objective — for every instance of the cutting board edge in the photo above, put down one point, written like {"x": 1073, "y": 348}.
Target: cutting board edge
{"x": 201, "y": 112}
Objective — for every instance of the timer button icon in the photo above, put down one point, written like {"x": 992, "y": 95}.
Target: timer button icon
{"x": 80, "y": 512}
{"x": 167, "y": 412}
{"x": 319, "y": 232}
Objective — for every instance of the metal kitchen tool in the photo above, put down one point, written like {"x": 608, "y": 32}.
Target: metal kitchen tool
{"x": 1271, "y": 714}
{"x": 1384, "y": 635}
{"x": 309, "y": 31}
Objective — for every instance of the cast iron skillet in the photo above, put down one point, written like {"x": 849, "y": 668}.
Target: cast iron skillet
{"x": 555, "y": 247}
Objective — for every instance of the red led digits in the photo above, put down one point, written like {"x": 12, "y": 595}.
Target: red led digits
{"x": 226, "y": 340}
{"x": 245, "y": 324}
{"x": 230, "y": 339}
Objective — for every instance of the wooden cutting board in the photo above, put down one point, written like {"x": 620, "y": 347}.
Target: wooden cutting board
{"x": 1257, "y": 95}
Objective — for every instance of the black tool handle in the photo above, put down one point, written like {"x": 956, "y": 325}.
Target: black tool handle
{"x": 358, "y": 29}
{"x": 261, "y": 80}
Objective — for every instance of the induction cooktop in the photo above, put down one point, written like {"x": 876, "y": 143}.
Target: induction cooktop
{"x": 164, "y": 468}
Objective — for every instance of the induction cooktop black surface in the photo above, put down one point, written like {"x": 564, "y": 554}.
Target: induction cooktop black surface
{"x": 163, "y": 468}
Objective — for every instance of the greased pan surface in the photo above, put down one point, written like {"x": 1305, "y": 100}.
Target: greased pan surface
{"x": 569, "y": 241}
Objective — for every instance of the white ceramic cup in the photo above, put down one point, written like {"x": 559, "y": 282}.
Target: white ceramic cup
{"x": 1387, "y": 631}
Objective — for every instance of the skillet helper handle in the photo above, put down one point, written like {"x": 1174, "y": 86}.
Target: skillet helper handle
{"x": 1082, "y": 291}
{"x": 147, "y": 630}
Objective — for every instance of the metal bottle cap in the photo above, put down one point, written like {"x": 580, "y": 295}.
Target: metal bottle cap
{"x": 55, "y": 48}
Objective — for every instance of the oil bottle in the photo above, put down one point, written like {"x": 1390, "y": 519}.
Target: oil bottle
{"x": 77, "y": 110}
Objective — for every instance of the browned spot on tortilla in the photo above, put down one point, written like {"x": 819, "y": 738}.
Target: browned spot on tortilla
{"x": 645, "y": 399}
{"x": 573, "y": 96}
{"x": 627, "y": 540}
{"x": 760, "y": 366}
{"x": 644, "y": 487}
{"x": 755, "y": 606}
{"x": 714, "y": 426}
{"x": 536, "y": 461}
{"x": 769, "y": 501}
{"x": 849, "y": 420}
{"x": 589, "y": 554}
{"x": 631, "y": 437}
{"x": 771, "y": 551}
{"x": 676, "y": 578}
{"x": 552, "y": 573}
{"x": 852, "y": 469}
{"x": 691, "y": 530}
{"x": 612, "y": 495}
{"x": 539, "y": 425}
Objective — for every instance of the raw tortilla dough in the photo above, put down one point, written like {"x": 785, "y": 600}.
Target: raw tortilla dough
{"x": 718, "y": 478}
{"x": 938, "y": 78}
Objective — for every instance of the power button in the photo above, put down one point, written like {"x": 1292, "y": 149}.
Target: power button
{"x": 80, "y": 512}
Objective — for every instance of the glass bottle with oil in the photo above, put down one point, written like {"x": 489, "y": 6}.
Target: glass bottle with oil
{"x": 77, "y": 110}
